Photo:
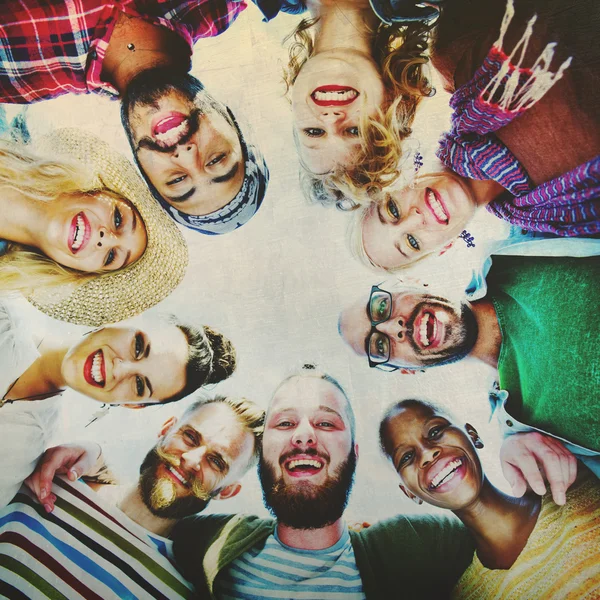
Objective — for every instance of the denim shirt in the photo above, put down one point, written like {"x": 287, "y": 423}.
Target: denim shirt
{"x": 509, "y": 426}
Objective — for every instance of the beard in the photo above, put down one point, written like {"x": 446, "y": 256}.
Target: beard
{"x": 159, "y": 494}
{"x": 304, "y": 505}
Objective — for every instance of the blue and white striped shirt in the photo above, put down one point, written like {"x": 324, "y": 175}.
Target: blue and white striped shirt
{"x": 279, "y": 571}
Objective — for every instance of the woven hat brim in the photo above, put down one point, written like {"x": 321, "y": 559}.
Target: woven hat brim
{"x": 119, "y": 295}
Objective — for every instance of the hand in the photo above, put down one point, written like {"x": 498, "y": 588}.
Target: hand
{"x": 74, "y": 460}
{"x": 527, "y": 457}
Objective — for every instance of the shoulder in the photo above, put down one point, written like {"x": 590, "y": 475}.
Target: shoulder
{"x": 427, "y": 553}
{"x": 193, "y": 537}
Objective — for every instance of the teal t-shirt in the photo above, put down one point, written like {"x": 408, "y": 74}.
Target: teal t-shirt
{"x": 548, "y": 311}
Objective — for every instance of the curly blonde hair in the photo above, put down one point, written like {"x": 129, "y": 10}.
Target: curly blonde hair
{"x": 43, "y": 179}
{"x": 401, "y": 52}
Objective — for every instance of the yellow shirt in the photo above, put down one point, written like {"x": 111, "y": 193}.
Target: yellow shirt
{"x": 560, "y": 560}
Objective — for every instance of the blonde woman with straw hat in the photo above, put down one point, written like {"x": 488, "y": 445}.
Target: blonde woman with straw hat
{"x": 83, "y": 238}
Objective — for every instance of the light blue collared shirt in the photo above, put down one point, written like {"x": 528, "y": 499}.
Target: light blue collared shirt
{"x": 509, "y": 426}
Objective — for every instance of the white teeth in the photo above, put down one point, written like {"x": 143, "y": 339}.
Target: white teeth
{"x": 178, "y": 475}
{"x": 79, "y": 231}
{"x": 340, "y": 96}
{"x": 97, "y": 368}
{"x": 171, "y": 136}
{"x": 305, "y": 463}
{"x": 423, "y": 330}
{"x": 436, "y": 206}
{"x": 446, "y": 474}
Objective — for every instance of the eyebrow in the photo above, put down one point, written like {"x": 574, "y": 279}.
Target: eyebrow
{"x": 330, "y": 410}
{"x": 134, "y": 221}
{"x": 383, "y": 221}
{"x": 228, "y": 176}
{"x": 149, "y": 386}
{"x": 183, "y": 197}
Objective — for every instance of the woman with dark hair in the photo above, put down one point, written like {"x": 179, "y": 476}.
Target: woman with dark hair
{"x": 526, "y": 547}
{"x": 125, "y": 364}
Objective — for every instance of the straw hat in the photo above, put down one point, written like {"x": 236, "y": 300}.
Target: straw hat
{"x": 118, "y": 295}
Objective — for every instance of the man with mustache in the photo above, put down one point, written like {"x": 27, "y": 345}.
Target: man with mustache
{"x": 537, "y": 326}
{"x": 80, "y": 541}
{"x": 306, "y": 471}
{"x": 198, "y": 165}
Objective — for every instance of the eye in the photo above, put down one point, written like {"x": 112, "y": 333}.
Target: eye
{"x": 190, "y": 437}
{"x": 176, "y": 180}
{"x": 313, "y": 132}
{"x": 284, "y": 424}
{"x": 382, "y": 307}
{"x": 435, "y": 432}
{"x": 325, "y": 424}
{"x": 110, "y": 257}
{"x": 405, "y": 458}
{"x": 353, "y": 131}
{"x": 140, "y": 386}
{"x": 118, "y": 218}
{"x": 216, "y": 160}
{"x": 217, "y": 462}
{"x": 413, "y": 242}
{"x": 392, "y": 209}
{"x": 139, "y": 345}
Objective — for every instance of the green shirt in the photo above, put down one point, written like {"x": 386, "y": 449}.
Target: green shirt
{"x": 548, "y": 311}
{"x": 409, "y": 558}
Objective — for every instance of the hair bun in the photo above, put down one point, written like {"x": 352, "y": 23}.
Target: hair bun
{"x": 224, "y": 357}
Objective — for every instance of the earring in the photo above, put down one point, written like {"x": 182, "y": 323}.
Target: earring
{"x": 478, "y": 444}
{"x": 417, "y": 500}
{"x": 100, "y": 414}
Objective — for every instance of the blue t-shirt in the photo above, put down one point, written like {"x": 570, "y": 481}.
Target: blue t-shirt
{"x": 280, "y": 572}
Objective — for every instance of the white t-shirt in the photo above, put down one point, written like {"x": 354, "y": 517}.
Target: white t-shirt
{"x": 25, "y": 426}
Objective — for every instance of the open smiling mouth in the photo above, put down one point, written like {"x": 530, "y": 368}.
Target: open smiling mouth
{"x": 94, "y": 369}
{"x": 427, "y": 331}
{"x": 79, "y": 232}
{"x": 299, "y": 467}
{"x": 446, "y": 474}
{"x": 334, "y": 95}
{"x": 169, "y": 130}
{"x": 436, "y": 207}
{"x": 176, "y": 474}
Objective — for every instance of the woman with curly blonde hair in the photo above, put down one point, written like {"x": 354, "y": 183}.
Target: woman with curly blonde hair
{"x": 354, "y": 85}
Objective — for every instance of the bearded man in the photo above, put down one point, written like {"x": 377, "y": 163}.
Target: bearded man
{"x": 80, "y": 544}
{"x": 306, "y": 470}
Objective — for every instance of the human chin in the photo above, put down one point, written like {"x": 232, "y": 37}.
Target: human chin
{"x": 162, "y": 493}
{"x": 302, "y": 504}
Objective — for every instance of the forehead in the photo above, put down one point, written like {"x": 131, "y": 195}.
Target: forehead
{"x": 405, "y": 422}
{"x": 308, "y": 395}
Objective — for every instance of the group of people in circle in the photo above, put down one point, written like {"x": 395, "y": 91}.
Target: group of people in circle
{"x": 92, "y": 238}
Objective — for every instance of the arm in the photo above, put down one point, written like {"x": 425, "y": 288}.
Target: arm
{"x": 527, "y": 457}
{"x": 74, "y": 460}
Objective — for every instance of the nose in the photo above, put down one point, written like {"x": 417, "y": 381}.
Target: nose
{"x": 428, "y": 455}
{"x": 186, "y": 155}
{"x": 304, "y": 434}
{"x": 106, "y": 238}
{"x": 414, "y": 219}
{"x": 394, "y": 327}
{"x": 123, "y": 368}
{"x": 332, "y": 115}
{"x": 192, "y": 458}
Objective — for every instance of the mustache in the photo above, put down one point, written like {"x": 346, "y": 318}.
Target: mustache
{"x": 297, "y": 452}
{"x": 197, "y": 488}
{"x": 193, "y": 122}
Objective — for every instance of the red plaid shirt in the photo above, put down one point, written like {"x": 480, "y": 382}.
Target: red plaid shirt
{"x": 53, "y": 47}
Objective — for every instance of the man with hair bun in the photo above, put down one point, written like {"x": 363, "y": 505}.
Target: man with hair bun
{"x": 122, "y": 548}
{"x": 306, "y": 468}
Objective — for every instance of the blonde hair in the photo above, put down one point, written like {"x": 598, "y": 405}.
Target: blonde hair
{"x": 42, "y": 179}
{"x": 249, "y": 414}
{"x": 400, "y": 51}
